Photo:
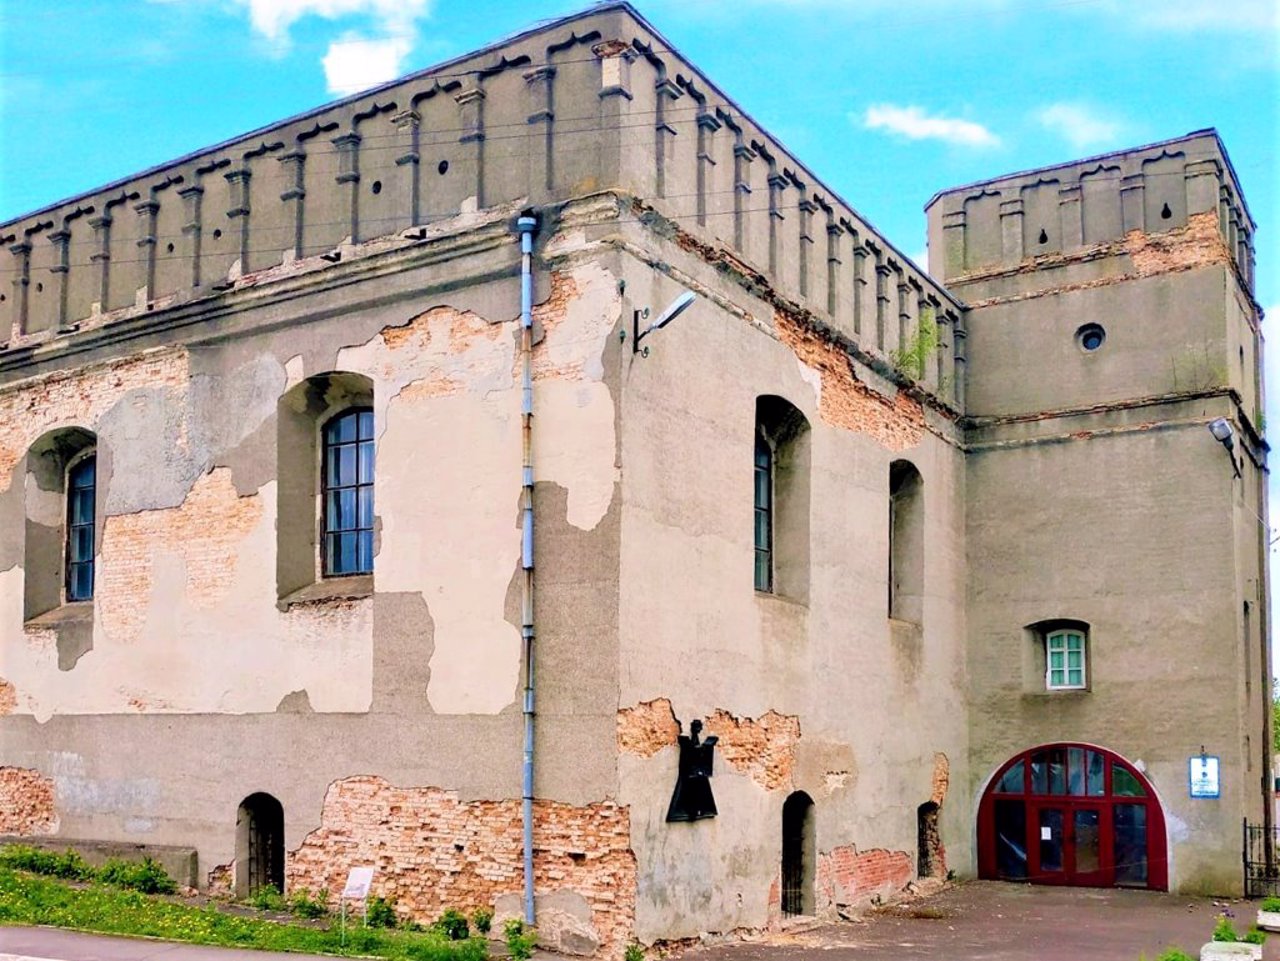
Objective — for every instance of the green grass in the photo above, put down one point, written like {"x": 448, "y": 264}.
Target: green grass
{"x": 30, "y": 899}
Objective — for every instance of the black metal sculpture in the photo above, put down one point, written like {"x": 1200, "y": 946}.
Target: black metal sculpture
{"x": 692, "y": 800}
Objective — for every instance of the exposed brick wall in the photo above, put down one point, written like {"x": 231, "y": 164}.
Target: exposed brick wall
{"x": 8, "y": 697}
{"x": 205, "y": 531}
{"x": 220, "y": 882}
{"x": 846, "y": 402}
{"x": 1198, "y": 244}
{"x": 68, "y": 398}
{"x": 941, "y": 778}
{"x": 433, "y": 851}
{"x": 764, "y": 749}
{"x": 845, "y": 876}
{"x": 647, "y": 728}
{"x": 26, "y": 802}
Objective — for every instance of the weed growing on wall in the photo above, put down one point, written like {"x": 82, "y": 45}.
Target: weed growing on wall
{"x": 520, "y": 941}
{"x": 912, "y": 358}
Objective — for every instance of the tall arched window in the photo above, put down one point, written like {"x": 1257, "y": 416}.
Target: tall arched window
{"x": 781, "y": 503}
{"x": 82, "y": 488}
{"x": 325, "y": 521}
{"x": 348, "y": 493}
{"x": 906, "y": 543}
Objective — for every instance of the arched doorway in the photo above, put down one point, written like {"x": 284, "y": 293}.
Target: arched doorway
{"x": 1072, "y": 814}
{"x": 259, "y": 845}
{"x": 798, "y": 855}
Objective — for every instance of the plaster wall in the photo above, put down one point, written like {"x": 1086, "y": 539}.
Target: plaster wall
{"x": 856, "y": 708}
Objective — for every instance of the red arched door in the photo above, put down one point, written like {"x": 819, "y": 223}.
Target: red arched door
{"x": 1072, "y": 814}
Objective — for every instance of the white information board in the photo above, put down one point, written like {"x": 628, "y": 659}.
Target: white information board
{"x": 1202, "y": 773}
{"x": 358, "y": 883}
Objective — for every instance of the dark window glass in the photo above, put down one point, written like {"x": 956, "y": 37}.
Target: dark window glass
{"x": 1011, "y": 840}
{"x": 1075, "y": 770}
{"x": 1097, "y": 774}
{"x": 348, "y": 493}
{"x": 1088, "y": 835}
{"x": 1049, "y": 772}
{"x": 764, "y": 514}
{"x": 81, "y": 488}
{"x": 1124, "y": 784}
{"x": 1130, "y": 842}
{"x": 1013, "y": 780}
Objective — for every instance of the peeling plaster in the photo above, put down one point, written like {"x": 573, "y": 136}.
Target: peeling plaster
{"x": 448, "y": 367}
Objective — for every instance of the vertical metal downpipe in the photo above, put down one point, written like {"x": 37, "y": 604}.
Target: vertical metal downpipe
{"x": 526, "y": 226}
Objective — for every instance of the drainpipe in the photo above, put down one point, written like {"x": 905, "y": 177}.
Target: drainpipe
{"x": 526, "y": 225}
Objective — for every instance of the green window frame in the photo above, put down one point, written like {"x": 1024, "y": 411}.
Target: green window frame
{"x": 1066, "y": 661}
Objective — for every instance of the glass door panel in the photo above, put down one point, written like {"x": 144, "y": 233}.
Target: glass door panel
{"x": 1129, "y": 827}
{"x": 1011, "y": 840}
{"x": 1051, "y": 831}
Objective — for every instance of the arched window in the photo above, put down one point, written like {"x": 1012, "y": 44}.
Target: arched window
{"x": 906, "y": 543}
{"x": 82, "y": 488}
{"x": 61, "y": 525}
{"x": 781, "y": 499}
{"x": 348, "y": 493}
{"x": 325, "y": 522}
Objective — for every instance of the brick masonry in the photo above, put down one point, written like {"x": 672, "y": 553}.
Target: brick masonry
{"x": 647, "y": 728}
{"x": 763, "y": 749}
{"x": 433, "y": 851}
{"x": 846, "y": 876}
{"x": 26, "y": 802}
{"x": 846, "y": 402}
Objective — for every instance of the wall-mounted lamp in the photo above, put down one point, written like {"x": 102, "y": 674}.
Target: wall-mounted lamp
{"x": 1224, "y": 434}
{"x": 674, "y": 310}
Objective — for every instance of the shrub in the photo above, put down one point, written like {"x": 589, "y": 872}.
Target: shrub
{"x": 381, "y": 913}
{"x": 482, "y": 918}
{"x": 268, "y": 898}
{"x": 305, "y": 906}
{"x": 1224, "y": 930}
{"x": 1254, "y": 935}
{"x": 69, "y": 864}
{"x": 146, "y": 876}
{"x": 1173, "y": 954}
{"x": 520, "y": 942}
{"x": 634, "y": 952}
{"x": 453, "y": 925}
{"x": 1270, "y": 904}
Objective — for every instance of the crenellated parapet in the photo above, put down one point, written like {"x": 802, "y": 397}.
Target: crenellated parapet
{"x": 1070, "y": 210}
{"x": 596, "y": 102}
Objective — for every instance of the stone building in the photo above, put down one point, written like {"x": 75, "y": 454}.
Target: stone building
{"x": 947, "y": 562}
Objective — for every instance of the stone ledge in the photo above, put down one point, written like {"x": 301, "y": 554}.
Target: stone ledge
{"x": 179, "y": 862}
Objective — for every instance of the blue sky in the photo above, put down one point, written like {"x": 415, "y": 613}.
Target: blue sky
{"x": 888, "y": 100}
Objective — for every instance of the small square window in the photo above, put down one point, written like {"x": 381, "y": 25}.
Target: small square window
{"x": 1066, "y": 668}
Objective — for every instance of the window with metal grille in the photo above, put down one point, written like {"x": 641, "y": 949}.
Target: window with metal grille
{"x": 1066, "y": 669}
{"x": 81, "y": 489}
{"x": 764, "y": 513}
{"x": 348, "y": 493}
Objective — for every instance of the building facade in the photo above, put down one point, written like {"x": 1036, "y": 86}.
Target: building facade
{"x": 309, "y": 515}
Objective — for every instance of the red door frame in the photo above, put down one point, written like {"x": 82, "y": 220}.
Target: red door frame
{"x": 1157, "y": 845}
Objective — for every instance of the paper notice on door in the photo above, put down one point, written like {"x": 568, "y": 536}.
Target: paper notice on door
{"x": 1046, "y": 834}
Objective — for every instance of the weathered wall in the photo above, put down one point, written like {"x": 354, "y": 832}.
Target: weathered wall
{"x": 404, "y": 681}
{"x": 1096, "y": 493}
{"x": 806, "y": 693}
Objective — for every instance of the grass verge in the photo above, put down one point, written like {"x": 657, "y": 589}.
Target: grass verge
{"x": 31, "y": 899}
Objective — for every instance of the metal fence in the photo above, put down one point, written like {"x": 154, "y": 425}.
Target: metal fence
{"x": 1261, "y": 873}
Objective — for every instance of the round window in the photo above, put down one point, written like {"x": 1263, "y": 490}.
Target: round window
{"x": 1090, "y": 337}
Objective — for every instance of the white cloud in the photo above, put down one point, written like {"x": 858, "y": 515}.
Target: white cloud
{"x": 1079, "y": 125}
{"x": 273, "y": 18}
{"x": 355, "y": 63}
{"x": 914, "y": 124}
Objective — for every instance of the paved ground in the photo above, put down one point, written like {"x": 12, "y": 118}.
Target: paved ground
{"x": 50, "y": 943}
{"x": 990, "y": 921}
